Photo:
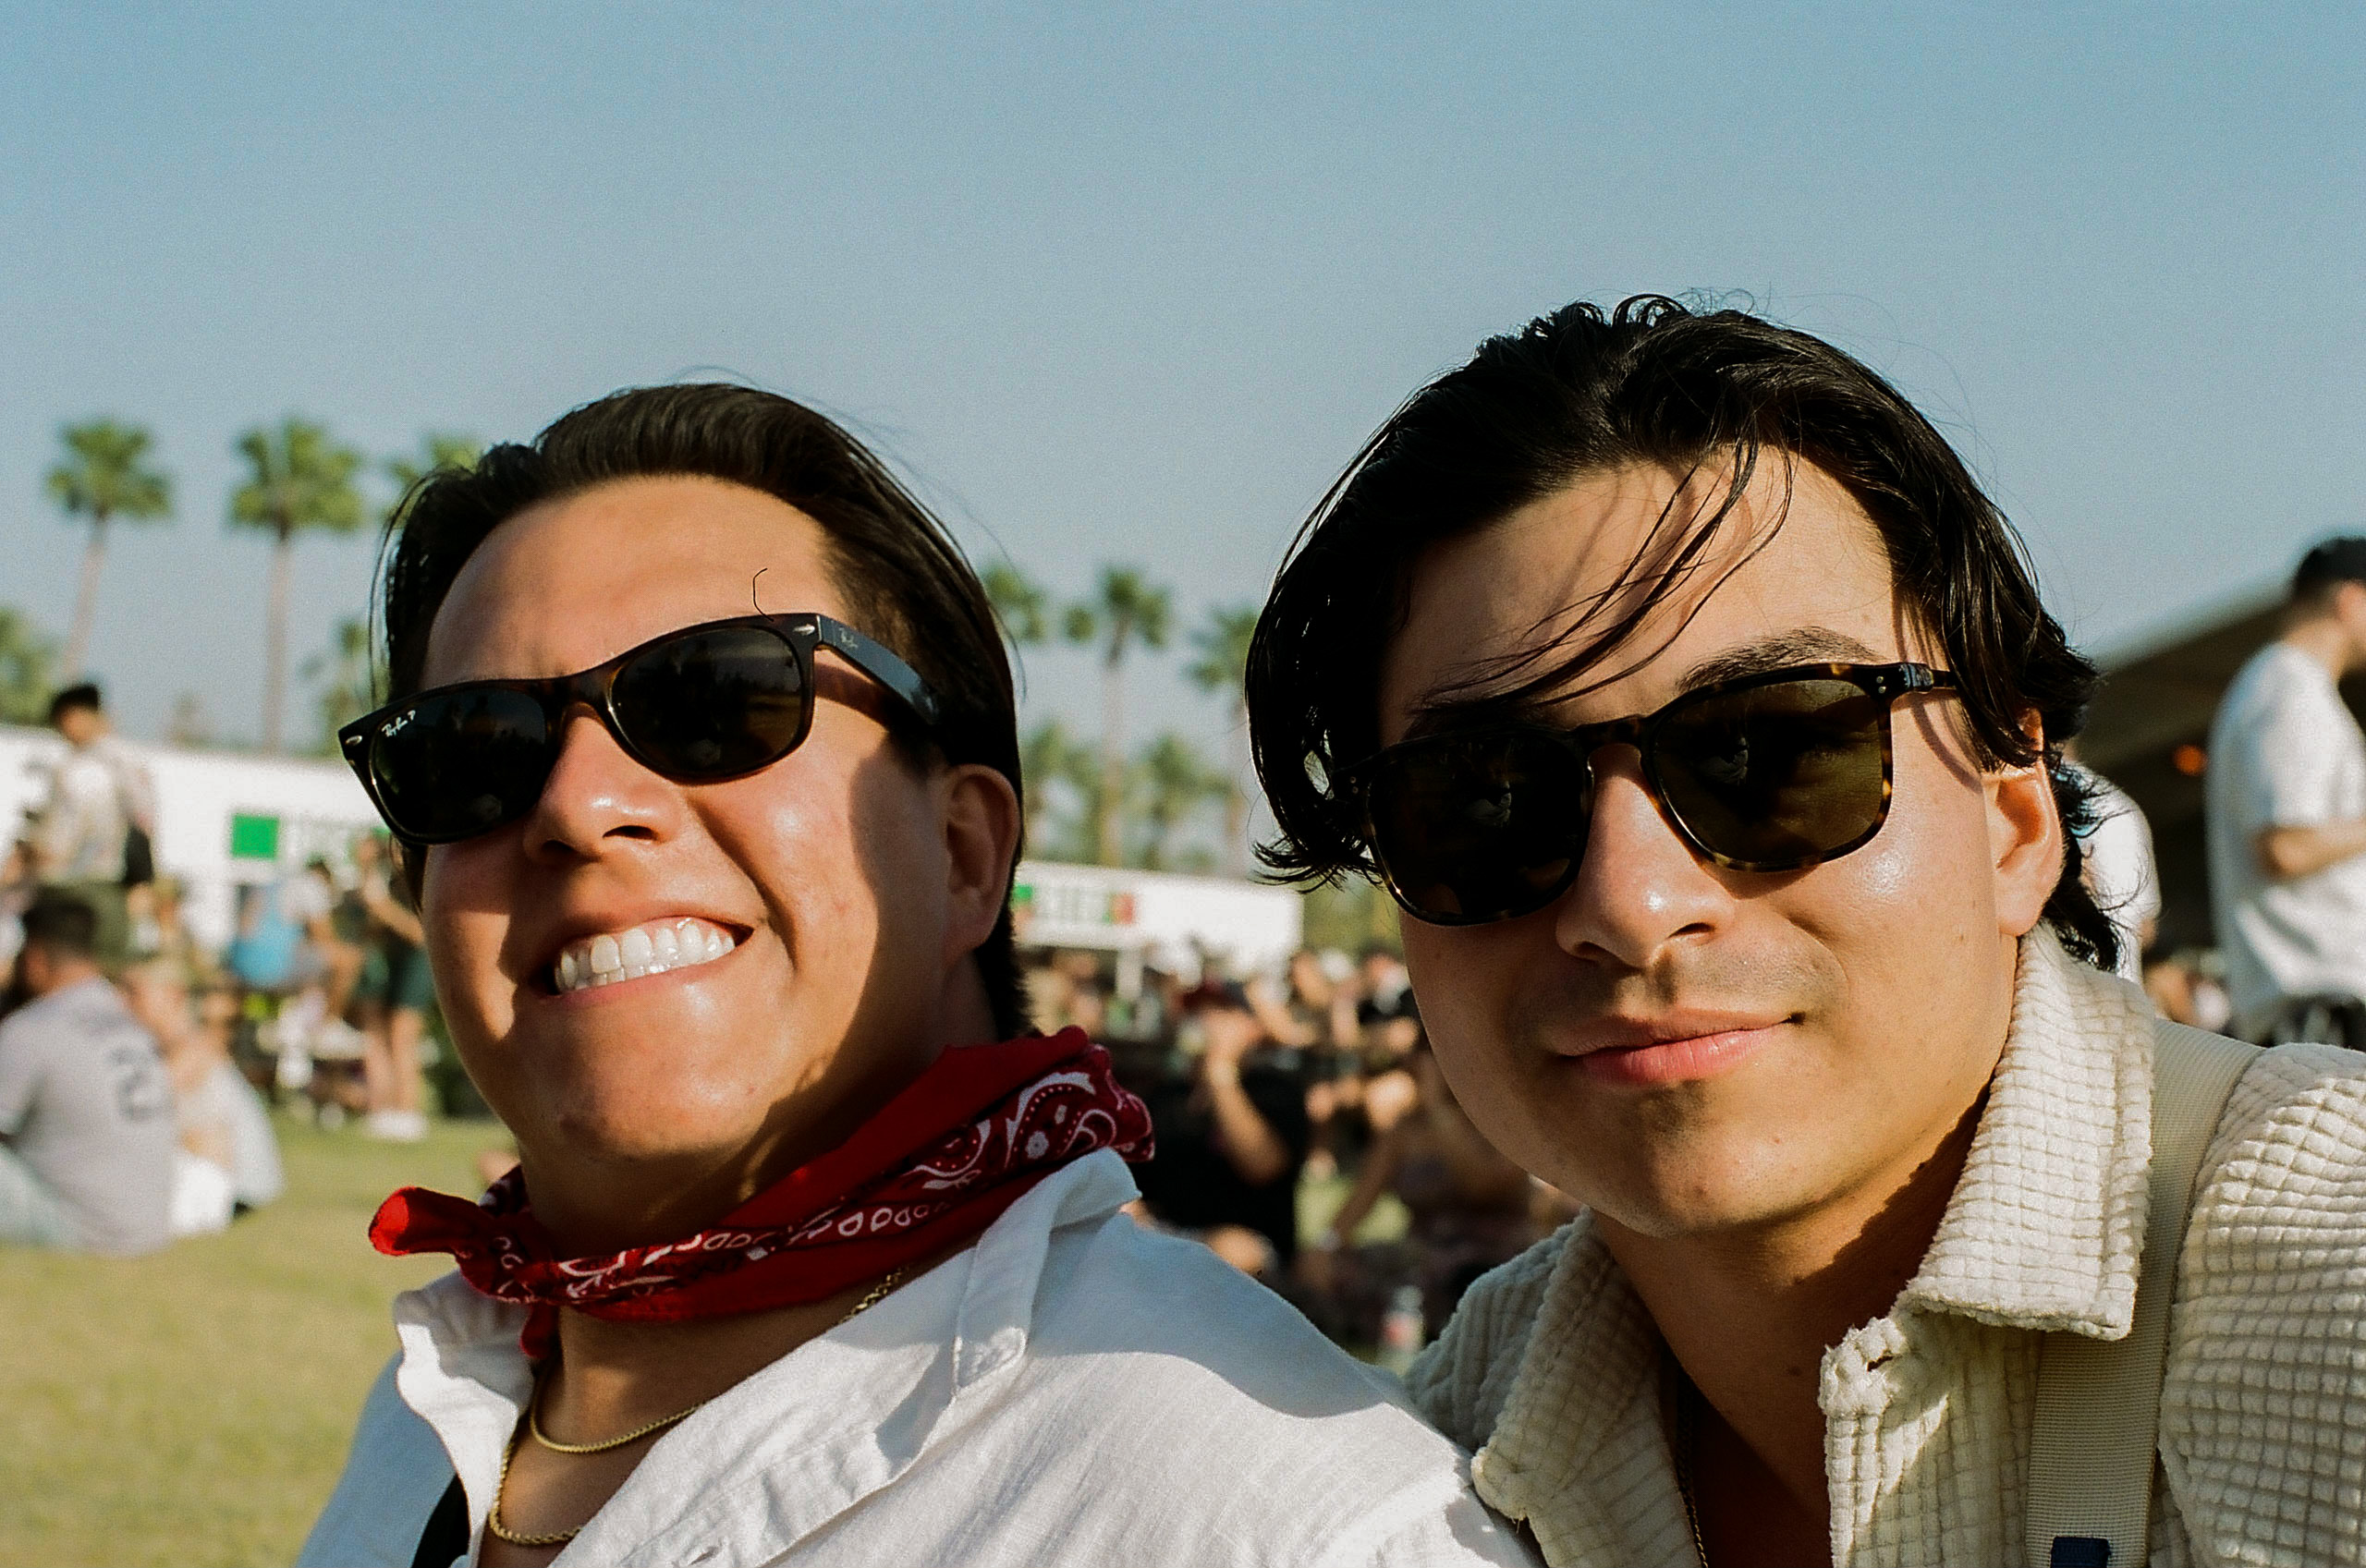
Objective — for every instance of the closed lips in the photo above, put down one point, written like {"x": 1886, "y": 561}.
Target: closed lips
{"x": 655, "y": 948}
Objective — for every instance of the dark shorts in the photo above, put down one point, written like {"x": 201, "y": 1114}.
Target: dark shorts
{"x": 397, "y": 974}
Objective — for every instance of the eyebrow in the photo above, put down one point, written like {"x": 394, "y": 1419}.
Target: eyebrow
{"x": 1782, "y": 651}
{"x": 1803, "y": 645}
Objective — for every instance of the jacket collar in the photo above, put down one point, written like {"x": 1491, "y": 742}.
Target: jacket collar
{"x": 2046, "y": 1226}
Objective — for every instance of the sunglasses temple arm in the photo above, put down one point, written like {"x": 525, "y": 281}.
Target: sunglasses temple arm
{"x": 881, "y": 664}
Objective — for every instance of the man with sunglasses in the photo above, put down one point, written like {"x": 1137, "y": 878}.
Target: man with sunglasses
{"x": 702, "y": 755}
{"x": 1709, "y": 736}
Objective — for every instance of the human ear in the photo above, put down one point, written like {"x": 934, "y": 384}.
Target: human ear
{"x": 2024, "y": 839}
{"x": 981, "y": 821}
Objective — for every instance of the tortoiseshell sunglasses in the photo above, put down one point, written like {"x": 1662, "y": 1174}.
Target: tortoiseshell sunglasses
{"x": 1776, "y": 771}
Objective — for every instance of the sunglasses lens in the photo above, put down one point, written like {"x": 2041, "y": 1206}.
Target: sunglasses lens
{"x": 1776, "y": 777}
{"x": 462, "y": 763}
{"x": 1479, "y": 827}
{"x": 714, "y": 704}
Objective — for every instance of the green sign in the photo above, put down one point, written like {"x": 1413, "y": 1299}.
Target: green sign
{"x": 254, "y": 838}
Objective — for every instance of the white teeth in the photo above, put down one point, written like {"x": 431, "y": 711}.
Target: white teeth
{"x": 629, "y": 954}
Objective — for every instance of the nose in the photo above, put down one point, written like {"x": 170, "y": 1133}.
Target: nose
{"x": 598, "y": 799}
{"x": 1639, "y": 889}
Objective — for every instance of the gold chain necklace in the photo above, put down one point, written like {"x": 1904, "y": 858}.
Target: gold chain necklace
{"x": 1687, "y": 1442}
{"x": 533, "y": 1427}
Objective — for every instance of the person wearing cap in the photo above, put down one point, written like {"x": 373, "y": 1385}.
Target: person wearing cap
{"x": 2287, "y": 815}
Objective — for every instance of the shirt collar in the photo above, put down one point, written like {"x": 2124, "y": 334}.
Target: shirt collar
{"x": 795, "y": 1444}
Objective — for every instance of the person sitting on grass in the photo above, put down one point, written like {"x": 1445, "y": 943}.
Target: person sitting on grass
{"x": 793, "y": 1267}
{"x": 228, "y": 1162}
{"x": 86, "y": 1111}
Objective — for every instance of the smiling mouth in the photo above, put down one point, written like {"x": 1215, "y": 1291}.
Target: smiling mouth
{"x": 657, "y": 948}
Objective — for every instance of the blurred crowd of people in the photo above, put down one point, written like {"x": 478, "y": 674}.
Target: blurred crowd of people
{"x": 136, "y": 1061}
{"x": 1305, "y": 1134}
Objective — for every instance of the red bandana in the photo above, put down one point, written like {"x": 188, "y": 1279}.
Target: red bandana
{"x": 932, "y": 1168}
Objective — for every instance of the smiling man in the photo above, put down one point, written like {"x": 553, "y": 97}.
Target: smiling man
{"x": 703, "y": 750}
{"x": 1709, "y": 732}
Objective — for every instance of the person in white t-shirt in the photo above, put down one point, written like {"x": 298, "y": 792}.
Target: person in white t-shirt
{"x": 2287, "y": 810}
{"x": 97, "y": 796}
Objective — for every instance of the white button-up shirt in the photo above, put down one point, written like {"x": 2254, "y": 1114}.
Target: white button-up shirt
{"x": 1072, "y": 1389}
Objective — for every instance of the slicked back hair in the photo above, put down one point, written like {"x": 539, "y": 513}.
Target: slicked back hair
{"x": 905, "y": 581}
{"x": 1718, "y": 396}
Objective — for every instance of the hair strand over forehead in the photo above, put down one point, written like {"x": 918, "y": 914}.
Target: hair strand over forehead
{"x": 1653, "y": 385}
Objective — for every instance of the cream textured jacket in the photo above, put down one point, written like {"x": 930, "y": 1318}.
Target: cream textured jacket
{"x": 1551, "y": 1369}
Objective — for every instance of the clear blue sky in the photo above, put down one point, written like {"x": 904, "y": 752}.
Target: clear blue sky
{"x": 1130, "y": 286}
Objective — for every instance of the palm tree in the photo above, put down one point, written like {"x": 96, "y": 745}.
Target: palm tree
{"x": 104, "y": 477}
{"x": 1222, "y": 666}
{"x": 438, "y": 450}
{"x": 25, "y": 654}
{"x": 1175, "y": 783}
{"x": 304, "y": 482}
{"x": 1125, "y": 609}
{"x": 1020, "y": 601}
{"x": 1057, "y": 768}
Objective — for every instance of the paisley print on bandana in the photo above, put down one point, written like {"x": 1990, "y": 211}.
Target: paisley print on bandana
{"x": 933, "y": 1168}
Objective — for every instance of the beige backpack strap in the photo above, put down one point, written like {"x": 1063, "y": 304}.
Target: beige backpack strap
{"x": 2091, "y": 1448}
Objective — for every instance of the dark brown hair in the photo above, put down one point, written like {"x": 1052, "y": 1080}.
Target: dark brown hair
{"x": 905, "y": 581}
{"x": 1652, "y": 382}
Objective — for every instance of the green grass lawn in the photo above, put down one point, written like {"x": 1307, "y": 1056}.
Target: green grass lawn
{"x": 193, "y": 1407}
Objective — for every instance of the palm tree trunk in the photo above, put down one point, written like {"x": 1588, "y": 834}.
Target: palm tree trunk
{"x": 275, "y": 640}
{"x": 86, "y": 597}
{"x": 1113, "y": 758}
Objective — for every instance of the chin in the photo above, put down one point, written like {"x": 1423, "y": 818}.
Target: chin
{"x": 618, "y": 1104}
{"x": 1681, "y": 1192}
{"x": 631, "y": 1129}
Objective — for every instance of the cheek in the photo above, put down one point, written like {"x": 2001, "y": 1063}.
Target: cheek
{"x": 791, "y": 840}
{"x": 1917, "y": 897}
{"x": 1466, "y": 982}
{"x": 463, "y": 902}
{"x": 836, "y": 856}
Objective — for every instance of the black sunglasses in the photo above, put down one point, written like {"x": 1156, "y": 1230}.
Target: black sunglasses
{"x": 1776, "y": 771}
{"x": 699, "y": 705}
